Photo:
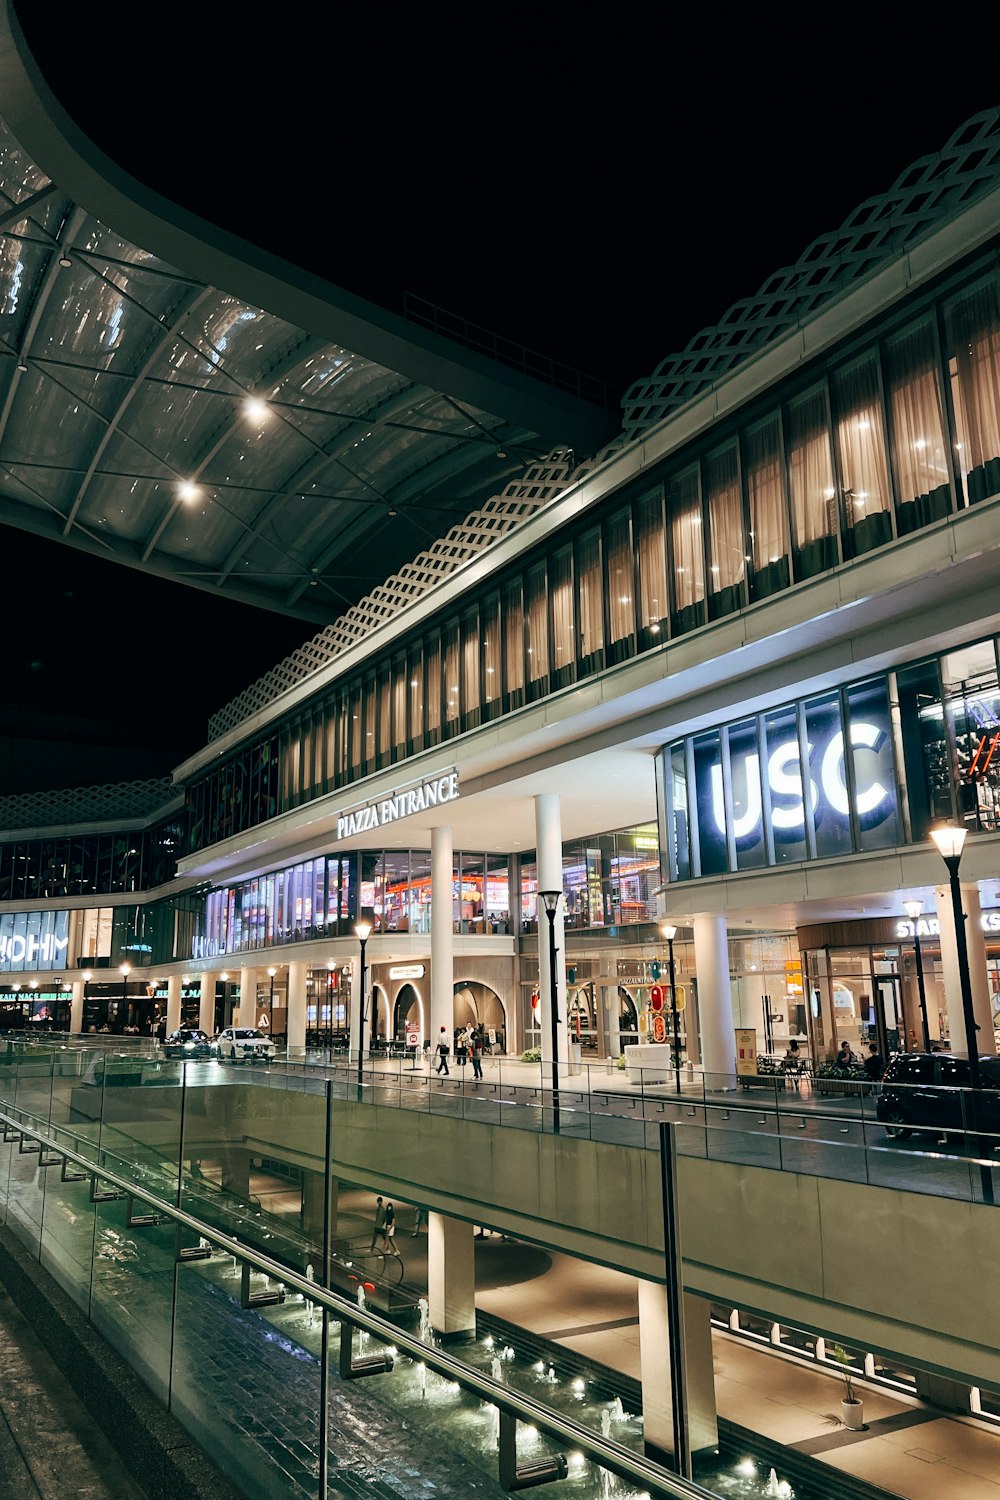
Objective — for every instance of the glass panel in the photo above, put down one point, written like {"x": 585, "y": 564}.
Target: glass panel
{"x": 712, "y": 847}
{"x": 810, "y": 479}
{"x": 370, "y": 702}
{"x": 563, "y": 637}
{"x": 726, "y": 552}
{"x": 384, "y": 714}
{"x": 399, "y": 697}
{"x": 513, "y": 643}
{"x": 355, "y": 728}
{"x": 828, "y": 781}
{"x": 651, "y": 547}
{"x": 471, "y": 651}
{"x": 920, "y": 458}
{"x": 973, "y": 323}
{"x": 763, "y": 465}
{"x": 621, "y": 606}
{"x": 498, "y": 893}
{"x": 677, "y": 814}
{"x": 452, "y": 684}
{"x": 590, "y": 601}
{"x": 875, "y": 802}
{"x": 969, "y": 678}
{"x": 861, "y": 455}
{"x": 684, "y": 509}
{"x": 432, "y": 668}
{"x": 417, "y": 700}
{"x": 489, "y": 616}
{"x": 747, "y": 804}
{"x": 536, "y": 612}
{"x": 784, "y": 785}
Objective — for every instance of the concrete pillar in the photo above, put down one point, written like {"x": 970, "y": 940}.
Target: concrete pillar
{"x": 235, "y": 1164}
{"x": 206, "y": 1005}
{"x": 248, "y": 997}
{"x": 548, "y": 840}
{"x": 312, "y": 1206}
{"x": 174, "y": 987}
{"x": 297, "y": 1005}
{"x": 975, "y": 940}
{"x": 451, "y": 1278}
{"x": 442, "y": 937}
{"x": 354, "y": 1013}
{"x": 654, "y": 1353}
{"x": 715, "y": 1002}
{"x": 76, "y": 1007}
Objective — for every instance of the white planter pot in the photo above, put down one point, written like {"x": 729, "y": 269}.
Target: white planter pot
{"x": 853, "y": 1414}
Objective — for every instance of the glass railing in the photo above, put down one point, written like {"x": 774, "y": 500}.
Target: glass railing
{"x": 260, "y": 1362}
{"x": 938, "y": 1141}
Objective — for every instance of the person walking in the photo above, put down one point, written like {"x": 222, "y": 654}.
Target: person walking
{"x": 379, "y": 1226}
{"x": 442, "y": 1051}
{"x": 388, "y": 1228}
{"x": 476, "y": 1050}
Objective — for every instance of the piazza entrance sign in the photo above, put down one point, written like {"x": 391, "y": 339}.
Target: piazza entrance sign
{"x": 433, "y": 791}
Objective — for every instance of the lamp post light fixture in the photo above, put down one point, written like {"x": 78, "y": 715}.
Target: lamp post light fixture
{"x": 950, "y": 841}
{"x": 331, "y": 979}
{"x": 270, "y": 1001}
{"x": 362, "y": 931}
{"x": 670, "y": 932}
{"x": 551, "y": 900}
{"x": 124, "y": 970}
{"x": 913, "y": 910}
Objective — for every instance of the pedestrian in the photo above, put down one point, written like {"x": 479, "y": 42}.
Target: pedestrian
{"x": 388, "y": 1228}
{"x": 476, "y": 1048}
{"x": 379, "y": 1225}
{"x": 419, "y": 1218}
{"x": 873, "y": 1064}
{"x": 442, "y": 1051}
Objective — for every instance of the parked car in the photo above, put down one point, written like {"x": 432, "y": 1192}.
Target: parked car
{"x": 188, "y": 1041}
{"x": 244, "y": 1044}
{"x": 929, "y": 1091}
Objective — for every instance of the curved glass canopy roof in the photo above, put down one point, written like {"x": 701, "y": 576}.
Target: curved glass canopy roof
{"x": 153, "y": 418}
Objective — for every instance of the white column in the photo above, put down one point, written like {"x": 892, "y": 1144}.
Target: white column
{"x": 975, "y": 940}
{"x": 76, "y": 1008}
{"x": 548, "y": 840}
{"x": 451, "y": 1277}
{"x": 715, "y": 1002}
{"x": 248, "y": 997}
{"x": 174, "y": 987}
{"x": 442, "y": 937}
{"x": 206, "y": 1005}
{"x": 355, "y": 1006}
{"x": 654, "y": 1355}
{"x": 297, "y": 1005}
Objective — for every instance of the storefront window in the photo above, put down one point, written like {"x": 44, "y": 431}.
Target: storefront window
{"x": 874, "y": 771}
{"x": 712, "y": 843}
{"x": 828, "y": 794}
{"x": 745, "y": 796}
{"x": 972, "y": 701}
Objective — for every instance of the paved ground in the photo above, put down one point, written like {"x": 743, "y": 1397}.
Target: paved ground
{"x": 50, "y": 1448}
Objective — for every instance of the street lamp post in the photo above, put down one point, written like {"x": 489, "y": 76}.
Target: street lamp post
{"x": 670, "y": 932}
{"x": 270, "y": 1001}
{"x": 328, "y": 1028}
{"x": 913, "y": 910}
{"x": 124, "y": 970}
{"x": 551, "y": 900}
{"x": 362, "y": 931}
{"x": 950, "y": 841}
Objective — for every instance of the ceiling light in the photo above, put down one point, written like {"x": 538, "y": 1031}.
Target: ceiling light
{"x": 65, "y": 261}
{"x": 22, "y": 368}
{"x": 256, "y": 409}
{"x": 501, "y": 453}
{"x": 188, "y": 490}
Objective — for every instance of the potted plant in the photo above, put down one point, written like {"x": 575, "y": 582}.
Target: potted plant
{"x": 852, "y": 1408}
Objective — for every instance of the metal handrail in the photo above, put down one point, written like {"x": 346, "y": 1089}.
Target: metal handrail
{"x": 602, "y": 1451}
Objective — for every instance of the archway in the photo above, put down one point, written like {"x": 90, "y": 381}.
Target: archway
{"x": 628, "y": 1016}
{"x": 408, "y": 1008}
{"x": 582, "y": 1014}
{"x": 478, "y": 1005}
{"x": 380, "y": 1014}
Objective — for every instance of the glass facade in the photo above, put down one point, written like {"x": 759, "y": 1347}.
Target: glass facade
{"x": 825, "y": 776}
{"x": 899, "y": 430}
{"x": 88, "y": 863}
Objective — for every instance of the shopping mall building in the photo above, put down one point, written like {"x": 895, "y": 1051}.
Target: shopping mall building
{"x": 724, "y": 670}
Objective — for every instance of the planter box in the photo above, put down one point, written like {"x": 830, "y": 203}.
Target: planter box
{"x": 772, "y": 1081}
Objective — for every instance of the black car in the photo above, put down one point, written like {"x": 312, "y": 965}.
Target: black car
{"x": 188, "y": 1041}
{"x": 931, "y": 1091}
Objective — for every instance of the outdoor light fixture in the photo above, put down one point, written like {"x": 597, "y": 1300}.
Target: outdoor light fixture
{"x": 65, "y": 261}
{"x": 913, "y": 910}
{"x": 950, "y": 841}
{"x": 270, "y": 1002}
{"x": 669, "y": 931}
{"x": 256, "y": 409}
{"x": 551, "y": 901}
{"x": 362, "y": 931}
{"x": 188, "y": 490}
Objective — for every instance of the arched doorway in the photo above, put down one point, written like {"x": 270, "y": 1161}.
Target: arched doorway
{"x": 408, "y": 1009}
{"x": 582, "y": 1013}
{"x": 478, "y": 1005}
{"x": 380, "y": 1015}
{"x": 628, "y": 1017}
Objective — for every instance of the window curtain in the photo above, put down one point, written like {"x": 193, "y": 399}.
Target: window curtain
{"x": 490, "y": 628}
{"x": 590, "y": 594}
{"x": 810, "y": 469}
{"x": 726, "y": 558}
{"x": 765, "y": 491}
{"x": 861, "y": 454}
{"x": 618, "y": 554}
{"x": 452, "y": 688}
{"x": 561, "y": 585}
{"x": 536, "y": 607}
{"x": 919, "y": 449}
{"x": 653, "y": 594}
{"x": 513, "y": 638}
{"x": 470, "y": 665}
{"x": 684, "y": 507}
{"x": 973, "y": 323}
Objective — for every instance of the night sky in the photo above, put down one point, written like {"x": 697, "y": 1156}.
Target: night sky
{"x": 597, "y": 182}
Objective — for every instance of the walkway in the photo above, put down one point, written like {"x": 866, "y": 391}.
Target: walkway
{"x": 50, "y": 1447}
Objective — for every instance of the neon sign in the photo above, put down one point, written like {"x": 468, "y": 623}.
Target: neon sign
{"x": 433, "y": 791}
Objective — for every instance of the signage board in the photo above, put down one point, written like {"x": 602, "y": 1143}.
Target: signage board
{"x": 433, "y": 791}
{"x": 33, "y": 940}
{"x": 923, "y": 927}
{"x": 406, "y": 971}
{"x": 746, "y": 1052}
{"x": 412, "y": 1036}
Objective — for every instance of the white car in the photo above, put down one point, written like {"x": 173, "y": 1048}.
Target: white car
{"x": 244, "y": 1044}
